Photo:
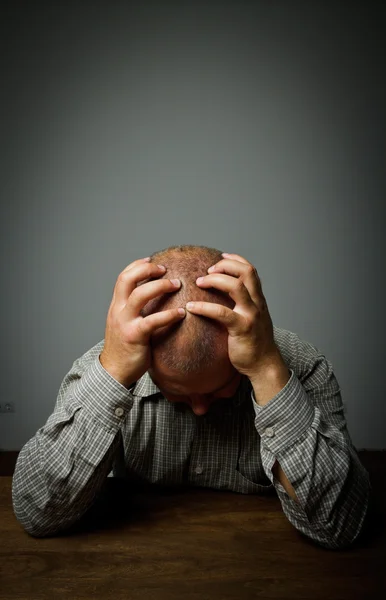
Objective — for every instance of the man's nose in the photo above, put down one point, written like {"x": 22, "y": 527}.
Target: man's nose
{"x": 199, "y": 403}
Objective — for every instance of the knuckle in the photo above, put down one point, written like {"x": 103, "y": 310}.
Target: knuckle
{"x": 148, "y": 268}
{"x": 252, "y": 271}
{"x": 123, "y": 277}
{"x": 143, "y": 327}
{"x": 239, "y": 284}
{"x": 222, "y": 312}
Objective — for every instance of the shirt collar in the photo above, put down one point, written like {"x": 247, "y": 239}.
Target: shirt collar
{"x": 145, "y": 386}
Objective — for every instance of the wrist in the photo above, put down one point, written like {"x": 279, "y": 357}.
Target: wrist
{"x": 114, "y": 372}
{"x": 269, "y": 378}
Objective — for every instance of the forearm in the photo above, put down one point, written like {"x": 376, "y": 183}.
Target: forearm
{"x": 60, "y": 471}
{"x": 269, "y": 379}
{"x": 320, "y": 482}
{"x": 332, "y": 489}
{"x": 266, "y": 385}
{"x": 54, "y": 483}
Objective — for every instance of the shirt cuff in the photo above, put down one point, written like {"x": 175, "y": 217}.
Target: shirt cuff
{"x": 285, "y": 417}
{"x": 105, "y": 399}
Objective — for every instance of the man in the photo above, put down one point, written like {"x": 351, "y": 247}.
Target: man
{"x": 193, "y": 385}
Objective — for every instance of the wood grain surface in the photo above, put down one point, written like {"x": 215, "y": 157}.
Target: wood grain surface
{"x": 189, "y": 544}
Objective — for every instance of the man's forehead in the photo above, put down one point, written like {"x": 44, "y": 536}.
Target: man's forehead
{"x": 210, "y": 380}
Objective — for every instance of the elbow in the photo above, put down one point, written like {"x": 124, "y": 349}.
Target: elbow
{"x": 340, "y": 541}
{"x": 38, "y": 528}
{"x": 40, "y": 524}
{"x": 333, "y": 537}
{"x": 31, "y": 525}
{"x": 34, "y": 530}
{"x": 36, "y": 522}
{"x": 345, "y": 528}
{"x": 339, "y": 525}
{"x": 334, "y": 542}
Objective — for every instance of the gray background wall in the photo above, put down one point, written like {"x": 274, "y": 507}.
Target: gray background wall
{"x": 254, "y": 127}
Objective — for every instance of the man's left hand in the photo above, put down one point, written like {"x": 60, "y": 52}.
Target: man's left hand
{"x": 251, "y": 346}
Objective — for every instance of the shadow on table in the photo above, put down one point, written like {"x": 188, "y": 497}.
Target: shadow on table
{"x": 374, "y": 526}
{"x": 121, "y": 502}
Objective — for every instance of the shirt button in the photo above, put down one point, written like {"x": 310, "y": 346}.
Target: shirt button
{"x": 269, "y": 432}
{"x": 198, "y": 470}
{"x": 119, "y": 411}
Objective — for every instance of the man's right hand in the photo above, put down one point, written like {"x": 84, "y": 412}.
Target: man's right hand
{"x": 126, "y": 354}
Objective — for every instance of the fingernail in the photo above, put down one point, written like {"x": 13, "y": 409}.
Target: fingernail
{"x": 200, "y": 280}
{"x": 225, "y": 254}
{"x": 211, "y": 269}
{"x": 181, "y": 311}
{"x": 190, "y": 305}
{"x": 147, "y": 258}
{"x": 176, "y": 282}
{"x": 161, "y": 267}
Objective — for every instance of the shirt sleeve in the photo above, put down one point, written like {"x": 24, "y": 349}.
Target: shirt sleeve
{"x": 60, "y": 471}
{"x": 303, "y": 427}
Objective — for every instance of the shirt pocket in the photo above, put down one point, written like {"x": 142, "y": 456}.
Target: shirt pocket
{"x": 247, "y": 486}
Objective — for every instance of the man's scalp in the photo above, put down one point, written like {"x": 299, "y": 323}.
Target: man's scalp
{"x": 186, "y": 263}
{"x": 195, "y": 341}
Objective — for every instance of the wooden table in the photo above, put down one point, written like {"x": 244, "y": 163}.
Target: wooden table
{"x": 189, "y": 544}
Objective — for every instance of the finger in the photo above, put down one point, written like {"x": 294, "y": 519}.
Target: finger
{"x": 217, "y": 312}
{"x": 128, "y": 279}
{"x": 235, "y": 257}
{"x": 151, "y": 323}
{"x": 142, "y": 294}
{"x": 233, "y": 286}
{"x": 246, "y": 271}
{"x": 140, "y": 261}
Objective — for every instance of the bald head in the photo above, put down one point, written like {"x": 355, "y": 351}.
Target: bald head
{"x": 195, "y": 343}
